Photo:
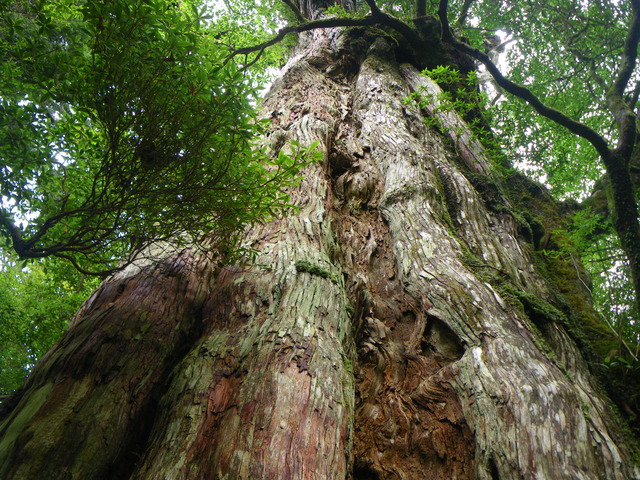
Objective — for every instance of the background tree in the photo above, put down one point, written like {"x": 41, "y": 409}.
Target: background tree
{"x": 422, "y": 314}
{"x": 36, "y": 307}
{"x": 122, "y": 129}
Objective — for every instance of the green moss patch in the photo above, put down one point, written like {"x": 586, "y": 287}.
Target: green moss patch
{"x": 315, "y": 270}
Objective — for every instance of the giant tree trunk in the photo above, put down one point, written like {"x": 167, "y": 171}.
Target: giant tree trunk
{"x": 392, "y": 328}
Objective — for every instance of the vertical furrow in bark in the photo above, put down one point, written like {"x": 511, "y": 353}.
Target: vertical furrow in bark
{"x": 486, "y": 351}
{"x": 489, "y": 235}
{"x": 409, "y": 421}
{"x": 268, "y": 393}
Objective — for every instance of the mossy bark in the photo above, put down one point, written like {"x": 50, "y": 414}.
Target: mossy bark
{"x": 374, "y": 336}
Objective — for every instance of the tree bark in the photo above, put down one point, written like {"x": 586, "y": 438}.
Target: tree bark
{"x": 394, "y": 327}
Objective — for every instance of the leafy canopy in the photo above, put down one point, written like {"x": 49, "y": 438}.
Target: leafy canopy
{"x": 122, "y": 127}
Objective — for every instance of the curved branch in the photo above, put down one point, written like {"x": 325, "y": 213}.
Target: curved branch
{"x": 580, "y": 129}
{"x": 100, "y": 273}
{"x": 305, "y": 27}
{"x": 296, "y": 11}
{"x": 621, "y": 111}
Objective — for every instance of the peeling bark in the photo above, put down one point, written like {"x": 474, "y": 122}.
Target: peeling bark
{"x": 365, "y": 341}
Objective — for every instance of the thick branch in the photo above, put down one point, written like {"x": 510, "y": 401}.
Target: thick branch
{"x": 398, "y": 25}
{"x": 305, "y": 27}
{"x": 296, "y": 11}
{"x": 621, "y": 111}
{"x": 375, "y": 11}
{"x": 599, "y": 143}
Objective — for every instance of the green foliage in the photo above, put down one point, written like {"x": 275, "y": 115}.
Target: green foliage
{"x": 121, "y": 127}
{"x": 35, "y": 307}
{"x": 403, "y": 9}
{"x": 566, "y": 52}
{"x": 462, "y": 95}
{"x": 244, "y": 23}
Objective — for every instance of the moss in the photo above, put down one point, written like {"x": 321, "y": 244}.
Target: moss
{"x": 531, "y": 229}
{"x": 554, "y": 259}
{"x": 485, "y": 272}
{"x": 15, "y": 423}
{"x": 490, "y": 191}
{"x": 348, "y": 365}
{"x": 573, "y": 298}
{"x": 451, "y": 203}
{"x": 315, "y": 270}
{"x": 543, "y": 313}
{"x": 540, "y": 314}
{"x": 536, "y": 306}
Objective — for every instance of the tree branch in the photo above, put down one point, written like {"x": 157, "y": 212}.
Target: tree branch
{"x": 464, "y": 12}
{"x": 410, "y": 34}
{"x": 630, "y": 52}
{"x": 375, "y": 11}
{"x": 305, "y": 27}
{"x": 296, "y": 11}
{"x": 599, "y": 143}
{"x": 443, "y": 8}
{"x": 377, "y": 17}
{"x": 620, "y": 110}
{"x": 519, "y": 91}
{"x": 100, "y": 273}
{"x": 633, "y": 101}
